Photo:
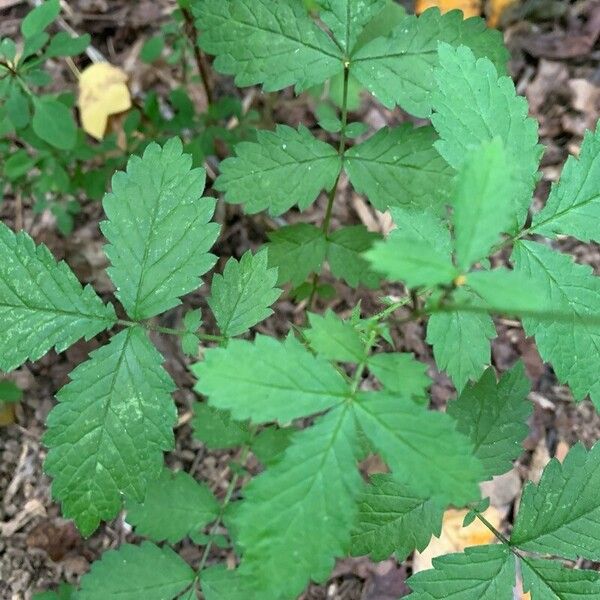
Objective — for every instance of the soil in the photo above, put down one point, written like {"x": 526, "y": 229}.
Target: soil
{"x": 555, "y": 64}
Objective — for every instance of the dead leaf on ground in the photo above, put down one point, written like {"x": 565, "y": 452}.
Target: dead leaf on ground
{"x": 455, "y": 537}
{"x": 103, "y": 92}
{"x": 470, "y": 8}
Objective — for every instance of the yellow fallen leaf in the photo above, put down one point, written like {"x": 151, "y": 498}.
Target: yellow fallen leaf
{"x": 496, "y": 10}
{"x": 103, "y": 92}
{"x": 470, "y": 8}
{"x": 7, "y": 413}
{"x": 455, "y": 537}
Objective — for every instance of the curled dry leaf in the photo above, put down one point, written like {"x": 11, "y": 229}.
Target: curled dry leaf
{"x": 103, "y": 92}
{"x": 470, "y": 8}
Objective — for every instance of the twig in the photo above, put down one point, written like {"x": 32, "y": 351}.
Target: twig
{"x": 203, "y": 71}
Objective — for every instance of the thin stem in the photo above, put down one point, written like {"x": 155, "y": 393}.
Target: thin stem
{"x": 501, "y": 537}
{"x": 192, "y": 34}
{"x": 170, "y": 331}
{"x": 360, "y": 369}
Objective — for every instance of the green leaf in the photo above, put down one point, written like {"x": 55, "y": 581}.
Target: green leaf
{"x": 130, "y": 571}
{"x": 344, "y": 250}
{"x": 334, "y": 339}
{"x": 474, "y": 104}
{"x": 18, "y": 164}
{"x": 64, "y": 44}
{"x": 42, "y": 305}
{"x": 284, "y": 167}
{"x": 10, "y": 392}
{"x": 400, "y": 167}
{"x": 152, "y": 49}
{"x": 64, "y": 592}
{"x": 393, "y": 519}
{"x": 159, "y": 231}
{"x": 53, "y": 122}
{"x": 399, "y": 69}
{"x": 347, "y": 18}
{"x": 571, "y": 343}
{"x": 478, "y": 573}
{"x": 561, "y": 515}
{"x": 268, "y": 380}
{"x": 107, "y": 433}
{"x": 220, "y": 583}
{"x": 400, "y": 372}
{"x": 461, "y": 341}
{"x": 573, "y": 207}
{"x": 175, "y": 505}
{"x": 411, "y": 439}
{"x": 546, "y": 579}
{"x": 297, "y": 515}
{"x": 422, "y": 226}
{"x": 242, "y": 296}
{"x": 39, "y": 18}
{"x": 216, "y": 429}
{"x": 17, "y": 107}
{"x": 482, "y": 203}
{"x": 272, "y": 42}
{"x": 493, "y": 415}
{"x": 383, "y": 23}
{"x": 297, "y": 251}
{"x": 271, "y": 443}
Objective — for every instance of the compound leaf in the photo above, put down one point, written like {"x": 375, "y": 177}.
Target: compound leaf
{"x": 412, "y": 440}
{"x": 393, "y": 519}
{"x": 53, "y": 122}
{"x": 344, "y": 249}
{"x": 42, "y": 305}
{"x": 493, "y": 415}
{"x": 175, "y": 505}
{"x": 242, "y": 296}
{"x": 267, "y": 380}
{"x": 571, "y": 341}
{"x": 158, "y": 228}
{"x": 478, "y": 573}
{"x": 400, "y": 372}
{"x": 573, "y": 207}
{"x": 461, "y": 341}
{"x": 216, "y": 429}
{"x": 474, "y": 104}
{"x": 297, "y": 516}
{"x": 284, "y": 167}
{"x": 297, "y": 251}
{"x": 133, "y": 571}
{"x": 334, "y": 339}
{"x": 399, "y": 69}
{"x": 561, "y": 514}
{"x": 400, "y": 167}
{"x": 108, "y": 431}
{"x": 272, "y": 42}
{"x": 39, "y": 18}
{"x": 547, "y": 579}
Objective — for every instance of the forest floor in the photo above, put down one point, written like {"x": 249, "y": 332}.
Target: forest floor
{"x": 555, "y": 64}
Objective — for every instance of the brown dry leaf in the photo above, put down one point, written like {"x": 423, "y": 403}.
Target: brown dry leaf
{"x": 103, "y": 92}
{"x": 7, "y": 413}
{"x": 455, "y": 537}
{"x": 496, "y": 10}
{"x": 470, "y": 8}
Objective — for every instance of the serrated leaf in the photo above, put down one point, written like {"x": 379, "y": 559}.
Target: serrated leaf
{"x": 411, "y": 439}
{"x": 400, "y": 167}
{"x": 461, "y": 341}
{"x": 478, "y": 573}
{"x": 334, "y": 339}
{"x": 571, "y": 344}
{"x": 42, "y": 305}
{"x": 297, "y": 515}
{"x": 393, "y": 519}
{"x": 423, "y": 226}
{"x": 282, "y": 168}
{"x": 271, "y": 443}
{"x": 482, "y": 202}
{"x": 159, "y": 231}
{"x": 573, "y": 207}
{"x": 561, "y": 514}
{"x": 158, "y": 573}
{"x": 473, "y": 104}
{"x": 242, "y": 296}
{"x": 216, "y": 429}
{"x": 549, "y": 580}
{"x": 272, "y": 42}
{"x": 107, "y": 433}
{"x": 400, "y": 372}
{"x": 220, "y": 583}
{"x": 347, "y": 18}
{"x": 344, "y": 249}
{"x": 399, "y": 69}
{"x": 39, "y": 18}
{"x": 493, "y": 415}
{"x": 297, "y": 251}
{"x": 267, "y": 380}
{"x": 175, "y": 505}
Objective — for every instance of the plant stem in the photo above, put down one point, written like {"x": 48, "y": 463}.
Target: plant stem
{"x": 360, "y": 369}
{"x": 192, "y": 34}
{"x": 170, "y": 331}
{"x": 503, "y": 539}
